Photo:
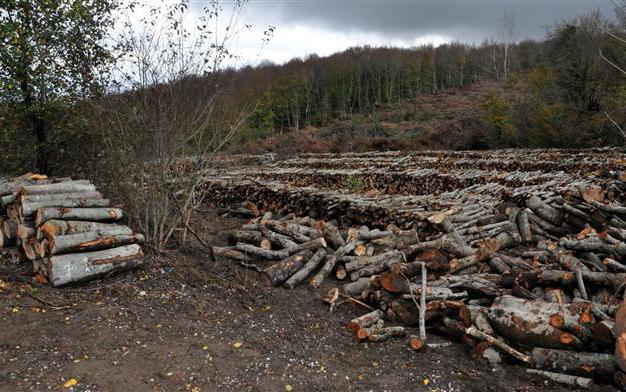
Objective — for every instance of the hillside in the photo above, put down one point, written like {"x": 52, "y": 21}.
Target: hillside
{"x": 446, "y": 120}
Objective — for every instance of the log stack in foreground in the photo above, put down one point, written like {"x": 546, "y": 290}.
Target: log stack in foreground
{"x": 66, "y": 229}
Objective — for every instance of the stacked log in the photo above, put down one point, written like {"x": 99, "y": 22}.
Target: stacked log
{"x": 66, "y": 229}
{"x": 534, "y": 305}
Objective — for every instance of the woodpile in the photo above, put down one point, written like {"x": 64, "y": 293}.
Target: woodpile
{"x": 534, "y": 271}
{"x": 66, "y": 229}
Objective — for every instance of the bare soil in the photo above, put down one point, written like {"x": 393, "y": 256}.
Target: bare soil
{"x": 182, "y": 322}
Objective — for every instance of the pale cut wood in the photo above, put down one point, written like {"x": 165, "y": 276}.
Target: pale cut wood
{"x": 59, "y": 187}
{"x": 262, "y": 253}
{"x": 278, "y": 273}
{"x": 92, "y": 240}
{"x": 231, "y": 253}
{"x": 59, "y": 196}
{"x": 79, "y": 267}
{"x": 598, "y": 366}
{"x": 29, "y": 208}
{"x": 307, "y": 269}
{"x": 55, "y": 227}
{"x": 499, "y": 343}
{"x": 86, "y": 214}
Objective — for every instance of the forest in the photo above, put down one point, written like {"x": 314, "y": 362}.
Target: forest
{"x": 558, "y": 92}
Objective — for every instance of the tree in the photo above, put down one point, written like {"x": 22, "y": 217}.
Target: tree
{"x": 507, "y": 35}
{"x": 52, "y": 54}
{"x": 161, "y": 131}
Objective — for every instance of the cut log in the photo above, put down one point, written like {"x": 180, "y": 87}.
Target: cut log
{"x": 535, "y": 323}
{"x": 260, "y": 252}
{"x": 363, "y": 261}
{"x": 27, "y": 209}
{"x": 278, "y": 273}
{"x": 231, "y": 253}
{"x": 58, "y": 196}
{"x": 79, "y": 267}
{"x": 59, "y": 227}
{"x": 499, "y": 343}
{"x": 307, "y": 269}
{"x": 366, "y": 320}
{"x": 524, "y": 227}
{"x": 355, "y": 289}
{"x": 599, "y": 367}
{"x": 299, "y": 233}
{"x": 544, "y": 210}
{"x": 85, "y": 214}
{"x": 60, "y": 187}
{"x": 383, "y": 334}
{"x": 604, "y": 332}
{"x": 561, "y": 278}
{"x": 332, "y": 236}
{"x": 579, "y": 382}
{"x": 331, "y": 260}
{"x": 280, "y": 240}
{"x": 9, "y": 228}
{"x": 92, "y": 240}
{"x": 312, "y": 245}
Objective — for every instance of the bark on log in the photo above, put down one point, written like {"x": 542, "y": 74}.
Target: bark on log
{"x": 278, "y": 273}
{"x": 53, "y": 228}
{"x": 383, "y": 334}
{"x": 532, "y": 323}
{"x": 364, "y": 261}
{"x": 499, "y": 343}
{"x": 331, "y": 260}
{"x": 579, "y": 382}
{"x": 366, "y": 320}
{"x": 92, "y": 240}
{"x": 231, "y": 253}
{"x": 599, "y": 367}
{"x": 60, "y": 187}
{"x": 312, "y": 245}
{"x": 60, "y": 196}
{"x": 561, "y": 278}
{"x": 355, "y": 289}
{"x": 299, "y": 233}
{"x": 544, "y": 210}
{"x": 85, "y": 214}
{"x": 307, "y": 269}
{"x": 79, "y": 267}
{"x": 262, "y": 253}
{"x": 524, "y": 227}
{"x": 29, "y": 208}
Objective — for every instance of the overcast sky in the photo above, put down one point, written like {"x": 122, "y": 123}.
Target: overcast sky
{"x": 323, "y": 27}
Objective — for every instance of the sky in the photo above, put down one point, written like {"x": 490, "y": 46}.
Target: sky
{"x": 322, "y": 27}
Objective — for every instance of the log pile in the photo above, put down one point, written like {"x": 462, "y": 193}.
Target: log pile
{"x": 545, "y": 308}
{"x": 534, "y": 271}
{"x": 66, "y": 229}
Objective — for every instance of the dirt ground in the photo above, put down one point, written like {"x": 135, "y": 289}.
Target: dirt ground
{"x": 182, "y": 322}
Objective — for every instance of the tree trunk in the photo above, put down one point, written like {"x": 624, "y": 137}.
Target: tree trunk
{"x": 91, "y": 241}
{"x": 306, "y": 270}
{"x": 278, "y": 273}
{"x": 86, "y": 214}
{"x": 600, "y": 367}
{"x": 79, "y": 267}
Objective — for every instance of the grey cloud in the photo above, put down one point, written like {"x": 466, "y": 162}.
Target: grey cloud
{"x": 467, "y": 21}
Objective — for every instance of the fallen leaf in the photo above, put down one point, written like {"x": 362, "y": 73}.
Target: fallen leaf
{"x": 70, "y": 383}
{"x": 288, "y": 388}
{"x": 205, "y": 347}
{"x": 237, "y": 344}
{"x": 426, "y": 381}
